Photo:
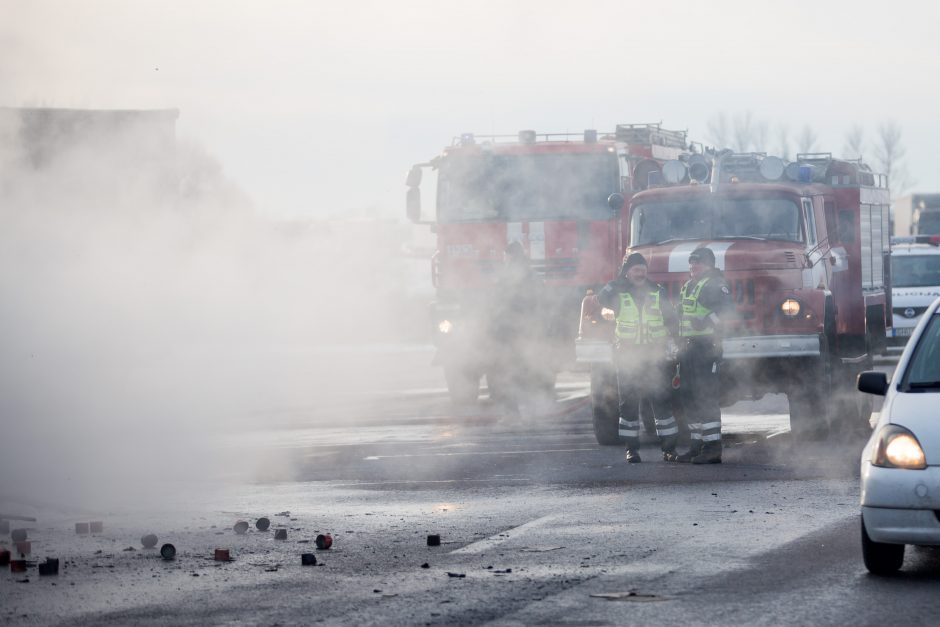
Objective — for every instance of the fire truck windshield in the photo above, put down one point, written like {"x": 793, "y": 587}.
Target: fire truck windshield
{"x": 655, "y": 222}
{"x": 526, "y": 187}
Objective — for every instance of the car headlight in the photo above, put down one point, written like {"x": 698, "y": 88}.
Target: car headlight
{"x": 607, "y": 314}
{"x": 897, "y": 447}
{"x": 790, "y": 308}
{"x": 445, "y": 326}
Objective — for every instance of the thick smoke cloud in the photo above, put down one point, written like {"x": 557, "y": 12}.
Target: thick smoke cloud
{"x": 146, "y": 308}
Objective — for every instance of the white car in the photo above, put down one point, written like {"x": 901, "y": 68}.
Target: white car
{"x": 915, "y": 283}
{"x": 901, "y": 461}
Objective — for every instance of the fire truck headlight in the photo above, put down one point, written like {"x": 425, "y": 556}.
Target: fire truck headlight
{"x": 790, "y": 308}
{"x": 445, "y": 326}
{"x": 607, "y": 314}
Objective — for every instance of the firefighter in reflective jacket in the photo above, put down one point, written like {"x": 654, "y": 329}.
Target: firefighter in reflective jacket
{"x": 704, "y": 300}
{"x": 646, "y": 325}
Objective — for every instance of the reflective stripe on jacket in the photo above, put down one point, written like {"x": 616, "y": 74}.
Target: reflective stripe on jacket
{"x": 692, "y": 308}
{"x": 640, "y": 326}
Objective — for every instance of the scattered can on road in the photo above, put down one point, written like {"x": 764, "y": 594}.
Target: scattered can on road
{"x": 434, "y": 539}
{"x": 308, "y": 559}
{"x": 168, "y": 551}
{"x": 263, "y": 524}
{"x": 280, "y": 534}
{"x": 324, "y": 541}
{"x": 241, "y": 527}
{"x": 49, "y": 567}
{"x": 18, "y": 535}
{"x": 223, "y": 555}
{"x": 81, "y": 528}
{"x": 149, "y": 541}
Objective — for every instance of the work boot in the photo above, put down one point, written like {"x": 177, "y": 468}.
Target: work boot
{"x": 693, "y": 452}
{"x": 632, "y": 456}
{"x": 711, "y": 454}
{"x": 668, "y": 444}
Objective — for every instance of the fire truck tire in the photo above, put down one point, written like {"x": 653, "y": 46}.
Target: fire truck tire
{"x": 809, "y": 401}
{"x": 462, "y": 384}
{"x": 605, "y": 411}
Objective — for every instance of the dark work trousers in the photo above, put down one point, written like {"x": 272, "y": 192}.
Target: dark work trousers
{"x": 643, "y": 373}
{"x": 699, "y": 390}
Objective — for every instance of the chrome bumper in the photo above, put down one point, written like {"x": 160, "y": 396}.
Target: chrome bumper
{"x": 754, "y": 347}
{"x": 766, "y": 346}
{"x": 593, "y": 352}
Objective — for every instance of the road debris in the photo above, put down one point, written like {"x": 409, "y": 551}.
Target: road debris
{"x": 425, "y": 565}
{"x": 222, "y": 555}
{"x": 262, "y": 524}
{"x": 24, "y": 548}
{"x": 241, "y": 527}
{"x": 457, "y": 575}
{"x": 280, "y": 534}
{"x": 96, "y": 526}
{"x": 434, "y": 539}
{"x": 168, "y": 551}
{"x": 149, "y": 541}
{"x": 308, "y": 559}
{"x": 17, "y": 566}
{"x": 81, "y": 528}
{"x": 49, "y": 567}
{"x": 18, "y": 535}
{"x": 324, "y": 541}
{"x": 4, "y": 557}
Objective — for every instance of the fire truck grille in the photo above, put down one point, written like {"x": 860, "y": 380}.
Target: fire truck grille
{"x": 558, "y": 267}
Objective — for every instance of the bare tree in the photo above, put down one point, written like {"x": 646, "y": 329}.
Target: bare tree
{"x": 718, "y": 132}
{"x": 855, "y": 143}
{"x": 889, "y": 155}
{"x": 783, "y": 142}
{"x": 806, "y": 142}
{"x": 743, "y": 125}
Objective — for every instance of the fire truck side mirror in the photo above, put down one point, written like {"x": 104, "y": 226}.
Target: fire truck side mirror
{"x": 413, "y": 204}
{"x": 616, "y": 201}
{"x": 414, "y": 177}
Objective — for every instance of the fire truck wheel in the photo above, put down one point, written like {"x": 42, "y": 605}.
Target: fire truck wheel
{"x": 462, "y": 384}
{"x": 809, "y": 402}
{"x": 604, "y": 406}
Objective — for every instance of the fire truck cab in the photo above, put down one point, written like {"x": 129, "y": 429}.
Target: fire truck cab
{"x": 559, "y": 198}
{"x": 804, "y": 248}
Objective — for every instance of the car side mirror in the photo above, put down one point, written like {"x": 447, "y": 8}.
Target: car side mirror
{"x": 873, "y": 382}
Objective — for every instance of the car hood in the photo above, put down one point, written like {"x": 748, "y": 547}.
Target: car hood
{"x": 921, "y": 414}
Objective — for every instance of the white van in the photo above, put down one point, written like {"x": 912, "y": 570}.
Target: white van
{"x": 915, "y": 282}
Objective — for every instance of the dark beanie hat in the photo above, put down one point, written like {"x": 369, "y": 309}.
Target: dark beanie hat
{"x": 705, "y": 255}
{"x": 633, "y": 259}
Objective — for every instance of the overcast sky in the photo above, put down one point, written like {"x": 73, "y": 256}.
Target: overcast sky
{"x": 319, "y": 108}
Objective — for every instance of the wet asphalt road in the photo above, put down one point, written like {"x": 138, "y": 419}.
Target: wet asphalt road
{"x": 538, "y": 525}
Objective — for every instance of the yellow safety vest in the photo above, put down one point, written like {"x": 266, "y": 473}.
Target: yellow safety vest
{"x": 691, "y": 308}
{"x": 640, "y": 327}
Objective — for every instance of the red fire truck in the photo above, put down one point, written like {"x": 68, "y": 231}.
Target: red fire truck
{"x": 804, "y": 247}
{"x": 560, "y": 196}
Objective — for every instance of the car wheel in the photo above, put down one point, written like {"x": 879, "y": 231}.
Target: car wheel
{"x": 605, "y": 410}
{"x": 881, "y": 558}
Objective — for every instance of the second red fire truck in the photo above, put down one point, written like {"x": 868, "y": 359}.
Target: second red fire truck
{"x": 804, "y": 248}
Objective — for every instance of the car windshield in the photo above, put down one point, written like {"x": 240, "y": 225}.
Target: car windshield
{"x": 526, "y": 187}
{"x": 915, "y": 270}
{"x": 763, "y": 218}
{"x": 923, "y": 372}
